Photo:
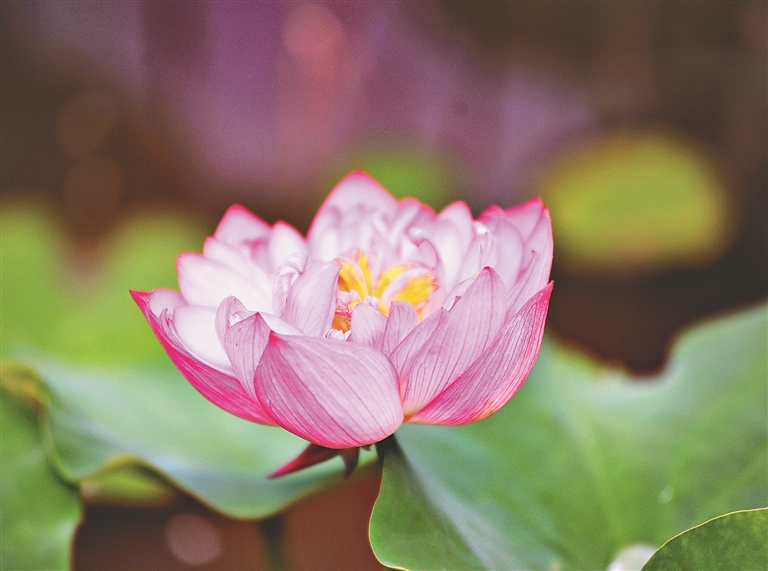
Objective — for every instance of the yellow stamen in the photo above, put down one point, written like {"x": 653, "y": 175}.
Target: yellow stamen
{"x": 417, "y": 292}
{"x": 341, "y": 321}
{"x": 356, "y": 279}
{"x": 355, "y": 275}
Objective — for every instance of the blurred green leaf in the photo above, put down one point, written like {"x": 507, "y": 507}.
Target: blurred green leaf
{"x": 637, "y": 200}
{"x": 40, "y": 513}
{"x": 129, "y": 485}
{"x": 737, "y": 540}
{"x": 585, "y": 461}
{"x": 79, "y": 308}
{"x": 31, "y": 275}
{"x": 97, "y": 421}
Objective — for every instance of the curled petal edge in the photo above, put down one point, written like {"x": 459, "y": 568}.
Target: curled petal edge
{"x": 499, "y": 372}
{"x": 221, "y": 389}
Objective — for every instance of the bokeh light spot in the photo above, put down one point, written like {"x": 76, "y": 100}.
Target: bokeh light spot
{"x": 310, "y": 30}
{"x": 192, "y": 538}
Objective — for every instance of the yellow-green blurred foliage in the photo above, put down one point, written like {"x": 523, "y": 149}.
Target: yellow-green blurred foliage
{"x": 76, "y": 305}
{"x": 637, "y": 201}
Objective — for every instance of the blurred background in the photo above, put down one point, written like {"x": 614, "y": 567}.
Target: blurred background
{"x": 129, "y": 127}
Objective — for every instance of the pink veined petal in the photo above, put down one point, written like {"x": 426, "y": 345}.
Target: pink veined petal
{"x": 539, "y": 238}
{"x": 231, "y": 312}
{"x": 221, "y": 389}
{"x": 525, "y": 216}
{"x": 332, "y": 393}
{"x": 229, "y": 307}
{"x": 287, "y": 273}
{"x": 466, "y": 331}
{"x": 355, "y": 190}
{"x": 337, "y": 225}
{"x": 311, "y": 302}
{"x": 498, "y": 373}
{"x": 206, "y": 282}
{"x": 245, "y": 339}
{"x": 402, "y": 319}
{"x": 238, "y": 227}
{"x": 279, "y": 326}
{"x": 367, "y": 325}
{"x": 284, "y": 242}
{"x": 411, "y": 346}
{"x": 535, "y": 274}
{"x": 245, "y": 342}
{"x": 196, "y": 328}
{"x": 457, "y": 293}
{"x": 505, "y": 246}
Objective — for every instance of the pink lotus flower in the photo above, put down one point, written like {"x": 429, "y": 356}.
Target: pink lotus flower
{"x": 386, "y": 313}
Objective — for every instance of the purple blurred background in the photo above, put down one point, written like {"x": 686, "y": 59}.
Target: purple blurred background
{"x": 240, "y": 101}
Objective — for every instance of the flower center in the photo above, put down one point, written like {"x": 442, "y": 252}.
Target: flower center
{"x": 360, "y": 280}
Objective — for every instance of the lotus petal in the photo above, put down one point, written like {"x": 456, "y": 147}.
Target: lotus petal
{"x": 223, "y": 390}
{"x": 500, "y": 371}
{"x": 334, "y": 394}
{"x": 311, "y": 302}
{"x": 464, "y": 333}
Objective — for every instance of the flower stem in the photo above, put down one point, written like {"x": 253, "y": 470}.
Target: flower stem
{"x": 383, "y": 446}
{"x": 273, "y": 532}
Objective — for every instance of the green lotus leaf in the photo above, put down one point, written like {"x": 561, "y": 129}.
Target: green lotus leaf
{"x": 585, "y": 461}
{"x": 731, "y": 541}
{"x": 100, "y": 422}
{"x": 40, "y": 513}
{"x": 131, "y": 485}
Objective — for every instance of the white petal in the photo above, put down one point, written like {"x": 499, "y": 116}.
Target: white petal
{"x": 206, "y": 282}
{"x": 239, "y": 226}
{"x": 284, "y": 242}
{"x": 196, "y": 327}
